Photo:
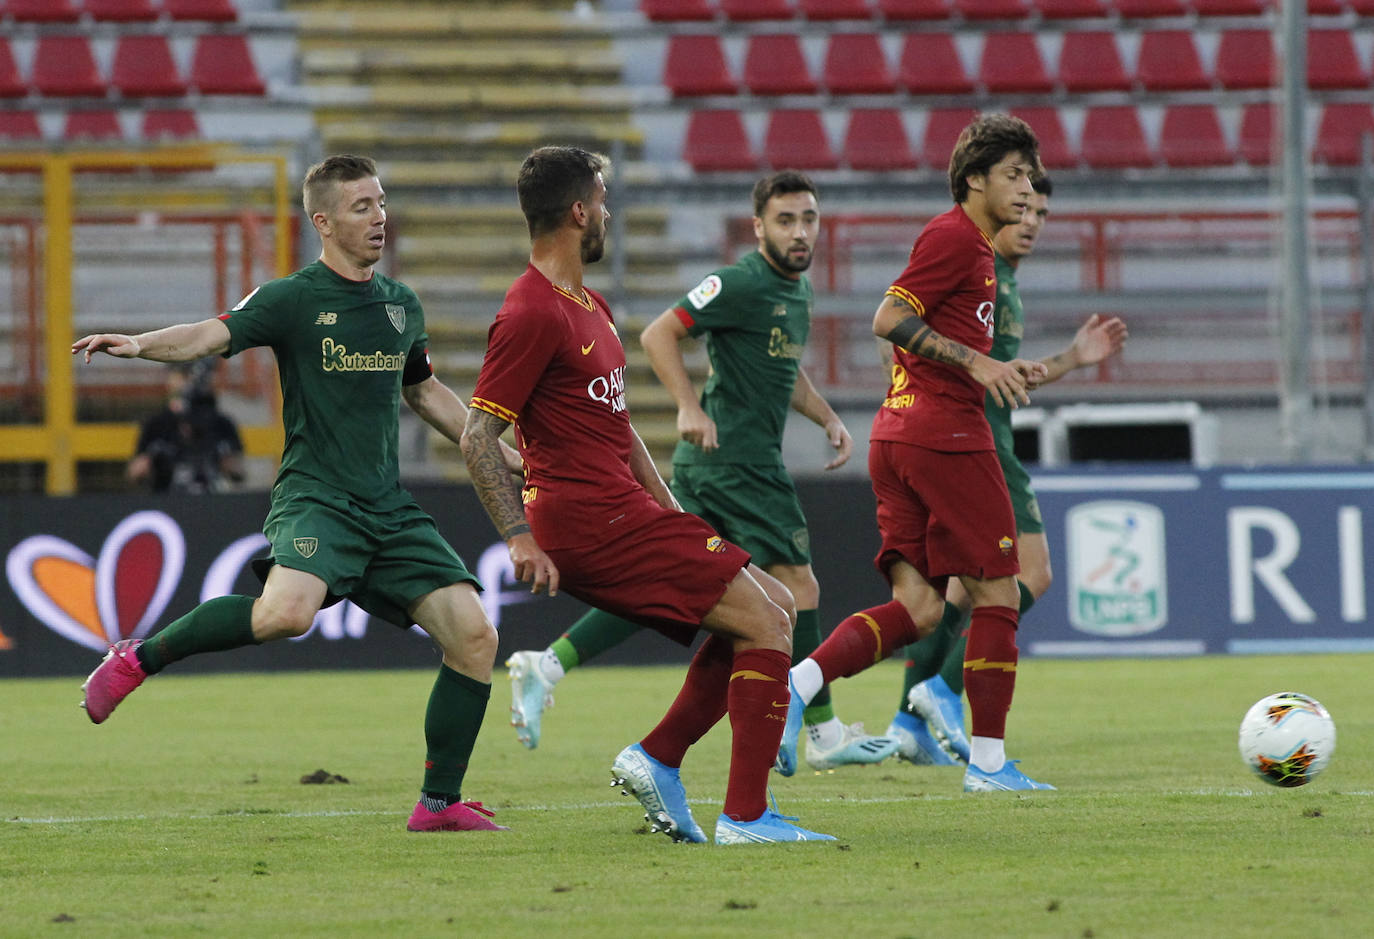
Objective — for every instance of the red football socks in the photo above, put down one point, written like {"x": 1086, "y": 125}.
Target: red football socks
{"x": 698, "y": 706}
{"x": 863, "y": 639}
{"x": 990, "y": 668}
{"x": 758, "y": 698}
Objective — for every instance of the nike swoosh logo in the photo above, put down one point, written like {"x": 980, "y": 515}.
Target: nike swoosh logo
{"x": 781, "y": 704}
{"x": 588, "y": 348}
{"x": 989, "y": 281}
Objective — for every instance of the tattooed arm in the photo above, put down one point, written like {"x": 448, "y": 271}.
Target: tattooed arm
{"x": 899, "y": 323}
{"x": 500, "y": 495}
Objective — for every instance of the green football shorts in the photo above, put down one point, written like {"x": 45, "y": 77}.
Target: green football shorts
{"x": 756, "y": 507}
{"x": 1023, "y": 502}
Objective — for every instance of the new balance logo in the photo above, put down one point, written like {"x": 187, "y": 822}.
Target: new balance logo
{"x": 326, "y": 319}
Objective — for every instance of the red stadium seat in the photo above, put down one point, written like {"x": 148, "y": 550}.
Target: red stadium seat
{"x": 1362, "y": 7}
{"x": 943, "y": 126}
{"x": 170, "y": 124}
{"x": 63, "y": 66}
{"x": 1055, "y": 152}
{"x": 1191, "y": 136}
{"x": 1113, "y": 138}
{"x": 1011, "y": 62}
{"x": 992, "y": 9}
{"x": 19, "y": 125}
{"x": 1340, "y": 132}
{"x": 143, "y": 67}
{"x": 222, "y": 64}
{"x": 120, "y": 11}
{"x": 41, "y": 11}
{"x": 1332, "y": 61}
{"x": 1090, "y": 61}
{"x": 213, "y": 11}
{"x": 1325, "y": 7}
{"x": 695, "y": 65}
{"x": 1230, "y": 7}
{"x": 797, "y": 139}
{"x": 915, "y": 9}
{"x": 745, "y": 10}
{"x": 1071, "y": 9}
{"x": 1257, "y": 142}
{"x": 774, "y": 65}
{"x": 836, "y": 9}
{"x": 717, "y": 141}
{"x": 855, "y": 64}
{"x": 92, "y": 125}
{"x": 876, "y": 140}
{"x": 1169, "y": 61}
{"x": 930, "y": 65}
{"x": 1245, "y": 59}
{"x": 1144, "y": 9}
{"x": 667, "y": 11}
{"x": 11, "y": 85}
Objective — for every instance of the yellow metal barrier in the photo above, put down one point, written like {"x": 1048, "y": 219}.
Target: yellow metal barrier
{"x": 60, "y": 441}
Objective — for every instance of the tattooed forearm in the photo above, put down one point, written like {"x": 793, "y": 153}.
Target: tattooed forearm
{"x": 491, "y": 476}
{"x": 913, "y": 335}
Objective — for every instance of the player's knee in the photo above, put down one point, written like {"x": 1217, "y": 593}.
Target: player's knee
{"x": 281, "y": 620}
{"x": 925, "y": 612}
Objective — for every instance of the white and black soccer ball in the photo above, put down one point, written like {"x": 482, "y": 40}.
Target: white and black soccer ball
{"x": 1287, "y": 739}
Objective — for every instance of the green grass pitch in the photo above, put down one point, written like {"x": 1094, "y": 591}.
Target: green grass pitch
{"x": 185, "y": 815}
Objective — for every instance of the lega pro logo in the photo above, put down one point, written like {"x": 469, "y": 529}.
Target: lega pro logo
{"x": 1117, "y": 583}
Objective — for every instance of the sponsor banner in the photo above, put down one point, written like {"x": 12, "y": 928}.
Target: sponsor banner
{"x": 1147, "y": 561}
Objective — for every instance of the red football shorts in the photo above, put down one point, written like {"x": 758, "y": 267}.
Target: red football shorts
{"x": 663, "y": 569}
{"x": 946, "y": 514}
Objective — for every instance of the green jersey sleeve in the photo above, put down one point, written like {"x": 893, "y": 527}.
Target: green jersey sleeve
{"x": 263, "y": 317}
{"x": 418, "y": 366}
{"x": 715, "y": 303}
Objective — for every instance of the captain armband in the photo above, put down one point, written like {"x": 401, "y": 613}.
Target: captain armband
{"x": 907, "y": 330}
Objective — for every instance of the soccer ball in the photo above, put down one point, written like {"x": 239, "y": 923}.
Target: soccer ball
{"x": 1287, "y": 739}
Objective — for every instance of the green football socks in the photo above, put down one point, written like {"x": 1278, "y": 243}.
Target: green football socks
{"x": 214, "y": 626}
{"x": 454, "y": 715}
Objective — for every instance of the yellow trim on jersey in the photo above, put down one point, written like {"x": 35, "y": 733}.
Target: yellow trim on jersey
{"x": 906, "y": 296}
{"x": 491, "y": 407}
{"x": 583, "y": 300}
{"x": 983, "y": 665}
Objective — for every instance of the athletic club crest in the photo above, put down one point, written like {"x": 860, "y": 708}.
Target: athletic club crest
{"x": 307, "y": 546}
{"x": 397, "y": 314}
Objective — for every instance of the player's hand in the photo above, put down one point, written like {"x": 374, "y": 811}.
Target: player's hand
{"x": 841, "y": 441}
{"x": 1007, "y": 382}
{"x": 1099, "y": 338}
{"x": 116, "y": 344}
{"x": 697, "y": 428}
{"x": 532, "y": 565}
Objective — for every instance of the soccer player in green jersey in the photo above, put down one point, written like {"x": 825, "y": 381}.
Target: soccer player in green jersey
{"x": 755, "y": 317}
{"x": 930, "y": 720}
{"x": 350, "y": 346}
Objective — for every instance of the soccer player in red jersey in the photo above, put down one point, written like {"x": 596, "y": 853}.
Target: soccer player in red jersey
{"x": 943, "y": 507}
{"x": 595, "y": 518}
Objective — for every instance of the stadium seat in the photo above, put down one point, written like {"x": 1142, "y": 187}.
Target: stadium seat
{"x": 1340, "y": 132}
{"x": 1256, "y": 141}
{"x": 170, "y": 124}
{"x": 1325, "y": 7}
{"x": 92, "y": 125}
{"x": 1113, "y": 138}
{"x": 943, "y": 126}
{"x": 797, "y": 138}
{"x": 745, "y": 10}
{"x": 836, "y": 9}
{"x": 876, "y": 140}
{"x": 992, "y": 9}
{"x": 212, "y": 11}
{"x": 1245, "y": 59}
{"x": 143, "y": 68}
{"x": 41, "y": 11}
{"x": 1090, "y": 61}
{"x": 63, "y": 66}
{"x": 774, "y": 65}
{"x": 1055, "y": 152}
{"x": 1362, "y": 7}
{"x": 667, "y": 11}
{"x": 222, "y": 64}
{"x": 1146, "y": 9}
{"x": 1071, "y": 9}
{"x": 1191, "y": 136}
{"x": 915, "y": 9}
{"x": 855, "y": 64}
{"x": 1168, "y": 60}
{"x": 1332, "y": 61}
{"x": 695, "y": 65}
{"x": 1230, "y": 7}
{"x": 120, "y": 11}
{"x": 930, "y": 65}
{"x": 11, "y": 85}
{"x": 717, "y": 141}
{"x": 19, "y": 125}
{"x": 1011, "y": 62}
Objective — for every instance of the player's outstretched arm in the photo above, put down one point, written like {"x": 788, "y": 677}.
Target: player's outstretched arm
{"x": 438, "y": 406}
{"x": 644, "y": 470}
{"x": 661, "y": 340}
{"x": 185, "y": 342}
{"x": 1097, "y": 339}
{"x": 500, "y": 495}
{"x": 808, "y": 402}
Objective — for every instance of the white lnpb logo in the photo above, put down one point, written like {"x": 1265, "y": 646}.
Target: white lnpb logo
{"x": 1117, "y": 581}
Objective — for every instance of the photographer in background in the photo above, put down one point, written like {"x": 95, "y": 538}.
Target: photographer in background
{"x": 188, "y": 446}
